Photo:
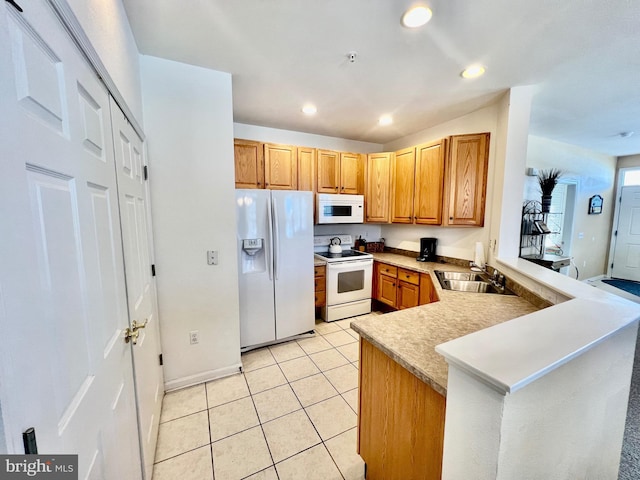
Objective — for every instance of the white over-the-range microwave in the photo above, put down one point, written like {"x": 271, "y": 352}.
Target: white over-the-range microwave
{"x": 336, "y": 208}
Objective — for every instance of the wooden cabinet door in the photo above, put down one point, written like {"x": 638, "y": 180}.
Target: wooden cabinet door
{"x": 407, "y": 295}
{"x": 351, "y": 174}
{"x": 280, "y": 167}
{"x": 377, "y": 189}
{"x": 249, "y": 164}
{"x": 466, "y": 180}
{"x": 306, "y": 168}
{"x": 430, "y": 161}
{"x": 402, "y": 185}
{"x": 401, "y": 420}
{"x": 387, "y": 289}
{"x": 328, "y": 163}
{"x": 427, "y": 290}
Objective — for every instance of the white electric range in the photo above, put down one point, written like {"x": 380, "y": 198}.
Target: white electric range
{"x": 349, "y": 277}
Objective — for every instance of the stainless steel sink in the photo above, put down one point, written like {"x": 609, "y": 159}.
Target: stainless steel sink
{"x": 467, "y": 276}
{"x": 469, "y": 282}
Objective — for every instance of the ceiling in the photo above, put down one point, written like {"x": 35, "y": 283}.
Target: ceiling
{"x": 583, "y": 56}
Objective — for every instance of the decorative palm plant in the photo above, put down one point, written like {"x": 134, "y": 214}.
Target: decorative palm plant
{"x": 548, "y": 179}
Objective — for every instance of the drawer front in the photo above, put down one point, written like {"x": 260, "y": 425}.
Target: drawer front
{"x": 320, "y": 284}
{"x": 321, "y": 298}
{"x": 409, "y": 276}
{"x": 388, "y": 270}
{"x": 319, "y": 270}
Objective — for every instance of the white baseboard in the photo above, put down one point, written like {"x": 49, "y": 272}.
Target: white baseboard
{"x": 198, "y": 378}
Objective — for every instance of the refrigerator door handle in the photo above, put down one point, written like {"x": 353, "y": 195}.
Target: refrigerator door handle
{"x": 269, "y": 250}
{"x": 276, "y": 239}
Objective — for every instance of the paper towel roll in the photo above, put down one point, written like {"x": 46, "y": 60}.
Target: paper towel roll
{"x": 479, "y": 258}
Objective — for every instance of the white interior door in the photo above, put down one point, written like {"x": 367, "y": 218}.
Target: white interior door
{"x": 65, "y": 369}
{"x": 132, "y": 192}
{"x": 626, "y": 254}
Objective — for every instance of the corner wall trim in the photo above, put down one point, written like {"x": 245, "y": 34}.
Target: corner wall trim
{"x": 75, "y": 30}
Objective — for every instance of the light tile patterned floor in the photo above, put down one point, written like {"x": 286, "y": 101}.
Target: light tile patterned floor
{"x": 292, "y": 414}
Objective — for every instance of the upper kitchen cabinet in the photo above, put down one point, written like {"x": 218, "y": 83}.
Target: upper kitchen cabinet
{"x": 306, "y": 168}
{"x": 280, "y": 167}
{"x": 351, "y": 173}
{"x": 340, "y": 172}
{"x": 417, "y": 175}
{"x": 402, "y": 185}
{"x": 427, "y": 202}
{"x": 466, "y": 180}
{"x": 378, "y": 186}
{"x": 249, "y": 164}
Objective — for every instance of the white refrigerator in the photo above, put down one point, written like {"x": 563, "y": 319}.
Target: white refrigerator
{"x": 275, "y": 265}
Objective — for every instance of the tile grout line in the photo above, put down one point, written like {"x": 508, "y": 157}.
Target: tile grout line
{"x": 206, "y": 398}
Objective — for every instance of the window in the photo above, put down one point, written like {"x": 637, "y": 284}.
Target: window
{"x": 631, "y": 177}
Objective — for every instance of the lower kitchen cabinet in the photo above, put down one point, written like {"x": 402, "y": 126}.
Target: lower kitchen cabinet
{"x": 320, "y": 277}
{"x": 401, "y": 420}
{"x": 402, "y": 288}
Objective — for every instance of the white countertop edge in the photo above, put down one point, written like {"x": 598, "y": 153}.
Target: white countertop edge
{"x": 562, "y": 284}
{"x": 511, "y": 355}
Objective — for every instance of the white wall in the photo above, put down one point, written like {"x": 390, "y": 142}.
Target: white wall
{"x": 452, "y": 241}
{"x": 3, "y": 445}
{"x": 594, "y": 174}
{"x": 629, "y": 161}
{"x": 301, "y": 139}
{"x": 568, "y": 424}
{"x": 105, "y": 23}
{"x": 190, "y": 142}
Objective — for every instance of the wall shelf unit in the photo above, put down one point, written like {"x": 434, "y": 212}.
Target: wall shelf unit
{"x": 533, "y": 229}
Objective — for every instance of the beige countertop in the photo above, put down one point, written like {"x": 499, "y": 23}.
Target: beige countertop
{"x": 317, "y": 262}
{"x": 410, "y": 336}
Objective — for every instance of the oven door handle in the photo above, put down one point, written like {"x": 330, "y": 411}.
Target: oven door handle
{"x": 350, "y": 264}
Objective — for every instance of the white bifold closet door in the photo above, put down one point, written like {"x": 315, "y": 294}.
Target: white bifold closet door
{"x": 65, "y": 368}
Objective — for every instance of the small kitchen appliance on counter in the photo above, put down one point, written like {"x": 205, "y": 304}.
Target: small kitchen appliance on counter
{"x": 427, "y": 249}
{"x": 349, "y": 277}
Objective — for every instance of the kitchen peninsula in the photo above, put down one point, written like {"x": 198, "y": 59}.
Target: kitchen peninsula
{"x": 526, "y": 379}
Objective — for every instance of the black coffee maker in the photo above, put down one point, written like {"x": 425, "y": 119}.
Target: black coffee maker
{"x": 427, "y": 249}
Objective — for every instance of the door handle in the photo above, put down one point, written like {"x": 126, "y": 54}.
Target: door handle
{"x": 131, "y": 334}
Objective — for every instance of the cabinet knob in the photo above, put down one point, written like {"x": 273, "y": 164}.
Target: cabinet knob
{"x": 336, "y": 188}
{"x": 450, "y": 218}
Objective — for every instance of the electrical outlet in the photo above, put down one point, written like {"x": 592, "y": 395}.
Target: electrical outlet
{"x": 194, "y": 337}
{"x": 212, "y": 257}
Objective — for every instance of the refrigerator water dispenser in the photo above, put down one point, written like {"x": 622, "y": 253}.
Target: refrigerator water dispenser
{"x": 253, "y": 255}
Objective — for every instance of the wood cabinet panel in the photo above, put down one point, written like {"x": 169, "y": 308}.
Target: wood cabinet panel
{"x": 280, "y": 167}
{"x": 387, "y": 289}
{"x": 328, "y": 163}
{"x": 351, "y": 174}
{"x": 390, "y": 270}
{"x": 408, "y": 295}
{"x": 430, "y": 167}
{"x": 466, "y": 180}
{"x": 249, "y": 164}
{"x": 320, "y": 279}
{"x": 409, "y": 276}
{"x": 402, "y": 185}
{"x": 401, "y": 420}
{"x": 428, "y": 292}
{"x": 306, "y": 168}
{"x": 378, "y": 187}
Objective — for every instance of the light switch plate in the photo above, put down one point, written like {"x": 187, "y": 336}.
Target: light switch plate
{"x": 212, "y": 257}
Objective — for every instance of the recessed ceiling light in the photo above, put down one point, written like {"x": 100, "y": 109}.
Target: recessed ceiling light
{"x": 385, "y": 120}
{"x": 416, "y": 17}
{"x": 474, "y": 71}
{"x": 309, "y": 109}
